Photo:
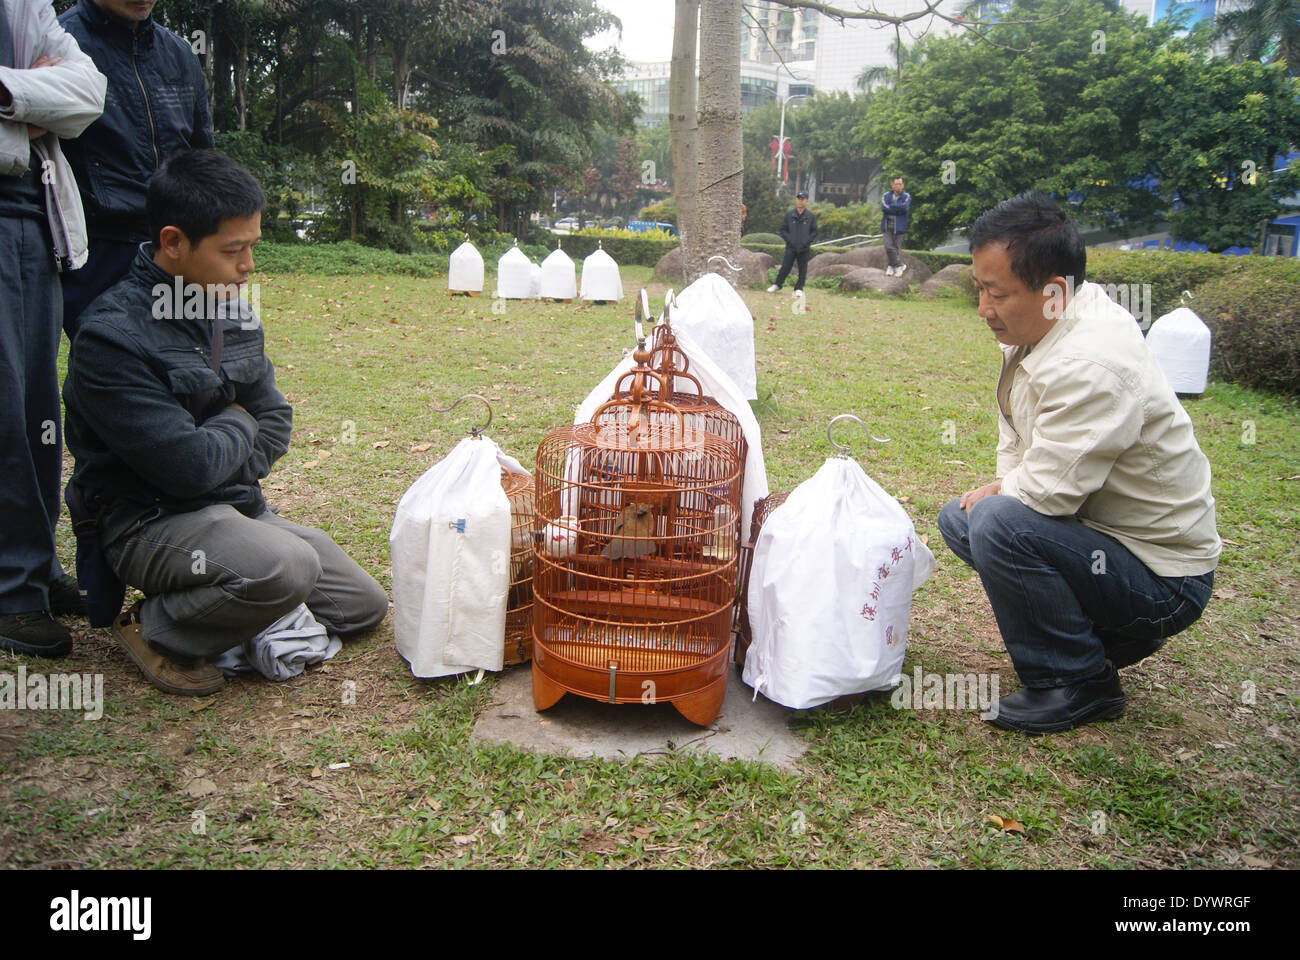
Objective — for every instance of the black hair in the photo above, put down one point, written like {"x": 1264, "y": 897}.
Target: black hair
{"x": 196, "y": 189}
{"x": 897, "y": 176}
{"x": 1040, "y": 239}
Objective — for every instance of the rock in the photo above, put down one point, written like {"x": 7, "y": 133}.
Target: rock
{"x": 830, "y": 270}
{"x": 200, "y": 788}
{"x": 917, "y": 271}
{"x": 754, "y": 266}
{"x": 954, "y": 276}
{"x": 820, "y": 261}
{"x": 872, "y": 278}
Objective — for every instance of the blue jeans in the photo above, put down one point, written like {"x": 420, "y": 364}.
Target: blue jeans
{"x": 1067, "y": 597}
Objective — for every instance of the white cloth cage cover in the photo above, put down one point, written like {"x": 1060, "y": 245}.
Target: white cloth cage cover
{"x": 534, "y": 279}
{"x": 600, "y": 278}
{"x": 450, "y": 584}
{"x": 1181, "y": 343}
{"x": 712, "y": 314}
{"x": 830, "y": 590}
{"x": 465, "y": 269}
{"x": 559, "y": 276}
{"x": 514, "y": 275}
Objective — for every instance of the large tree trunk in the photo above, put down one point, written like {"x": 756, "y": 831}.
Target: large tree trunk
{"x": 683, "y": 125}
{"x": 721, "y": 156}
{"x": 241, "y": 80}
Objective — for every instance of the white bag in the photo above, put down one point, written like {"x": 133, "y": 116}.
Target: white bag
{"x": 559, "y": 277}
{"x": 1180, "y": 341}
{"x": 600, "y": 278}
{"x": 450, "y": 547}
{"x": 830, "y": 590}
{"x": 711, "y": 313}
{"x": 514, "y": 275}
{"x": 465, "y": 268}
{"x": 716, "y": 384}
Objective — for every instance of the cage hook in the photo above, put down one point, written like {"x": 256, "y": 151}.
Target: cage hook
{"x": 642, "y": 314}
{"x": 718, "y": 256}
{"x": 844, "y": 450}
{"x": 473, "y": 431}
{"x": 1187, "y": 295}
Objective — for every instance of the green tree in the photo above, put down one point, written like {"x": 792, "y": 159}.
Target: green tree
{"x": 1213, "y": 144}
{"x": 1051, "y": 105}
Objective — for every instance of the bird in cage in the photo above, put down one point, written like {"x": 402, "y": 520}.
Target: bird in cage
{"x": 635, "y": 524}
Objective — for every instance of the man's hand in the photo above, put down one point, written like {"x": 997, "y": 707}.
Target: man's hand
{"x": 240, "y": 406}
{"x": 972, "y": 497}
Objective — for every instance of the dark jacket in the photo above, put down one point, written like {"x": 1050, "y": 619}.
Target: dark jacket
{"x": 897, "y": 207}
{"x": 157, "y": 105}
{"x": 799, "y": 230}
{"x": 141, "y": 450}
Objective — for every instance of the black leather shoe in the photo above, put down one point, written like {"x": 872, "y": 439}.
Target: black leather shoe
{"x": 35, "y": 634}
{"x": 1048, "y": 710}
{"x": 65, "y": 598}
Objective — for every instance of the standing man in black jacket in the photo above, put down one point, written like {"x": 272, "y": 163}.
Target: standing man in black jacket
{"x": 799, "y": 231}
{"x": 174, "y": 418}
{"x": 157, "y": 105}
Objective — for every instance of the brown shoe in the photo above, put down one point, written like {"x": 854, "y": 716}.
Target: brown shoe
{"x": 167, "y": 674}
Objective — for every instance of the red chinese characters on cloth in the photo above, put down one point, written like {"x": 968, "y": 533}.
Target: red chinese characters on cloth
{"x": 882, "y": 573}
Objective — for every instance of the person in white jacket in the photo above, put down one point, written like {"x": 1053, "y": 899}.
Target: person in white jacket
{"x": 1097, "y": 541}
{"x": 48, "y": 89}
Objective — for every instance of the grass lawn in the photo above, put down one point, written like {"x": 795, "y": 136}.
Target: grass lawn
{"x": 1201, "y": 770}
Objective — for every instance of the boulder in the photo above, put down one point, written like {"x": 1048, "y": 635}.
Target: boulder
{"x": 830, "y": 270}
{"x": 954, "y": 276}
{"x": 917, "y": 271}
{"x": 872, "y": 278}
{"x": 820, "y": 261}
{"x": 669, "y": 267}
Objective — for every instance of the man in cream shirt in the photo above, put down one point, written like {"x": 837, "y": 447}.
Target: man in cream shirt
{"x": 1097, "y": 541}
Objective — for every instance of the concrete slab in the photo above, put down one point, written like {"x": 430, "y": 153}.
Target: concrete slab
{"x": 582, "y": 728}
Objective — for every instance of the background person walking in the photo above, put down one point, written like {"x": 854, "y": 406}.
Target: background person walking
{"x": 799, "y": 231}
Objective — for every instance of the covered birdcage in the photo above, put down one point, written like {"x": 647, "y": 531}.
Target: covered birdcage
{"x": 465, "y": 270}
{"x": 744, "y": 631}
{"x": 632, "y": 598}
{"x": 514, "y": 274}
{"x": 519, "y": 601}
{"x": 600, "y": 277}
{"x": 559, "y": 277}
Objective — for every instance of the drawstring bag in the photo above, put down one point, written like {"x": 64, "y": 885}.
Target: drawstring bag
{"x": 450, "y": 547}
{"x": 830, "y": 590}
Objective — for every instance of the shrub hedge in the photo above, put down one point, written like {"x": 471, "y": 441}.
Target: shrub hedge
{"x": 1253, "y": 312}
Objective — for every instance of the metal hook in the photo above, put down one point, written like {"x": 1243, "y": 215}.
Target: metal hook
{"x": 718, "y": 256}
{"x": 642, "y": 312}
{"x": 1187, "y": 295}
{"x": 474, "y": 431}
{"x": 844, "y": 450}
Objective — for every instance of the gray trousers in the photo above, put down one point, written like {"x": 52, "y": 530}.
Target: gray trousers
{"x": 31, "y": 435}
{"x": 891, "y": 248}
{"x": 215, "y": 578}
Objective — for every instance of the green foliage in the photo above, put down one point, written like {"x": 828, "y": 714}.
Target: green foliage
{"x": 847, "y": 220}
{"x": 665, "y": 211}
{"x": 1044, "y": 114}
{"x": 1213, "y": 140}
{"x": 1253, "y": 311}
{"x": 627, "y": 248}
{"x": 1168, "y": 273}
{"x": 768, "y": 238}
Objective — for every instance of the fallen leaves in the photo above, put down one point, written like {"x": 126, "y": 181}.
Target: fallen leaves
{"x": 596, "y": 841}
{"x": 202, "y": 787}
{"x": 1006, "y": 824}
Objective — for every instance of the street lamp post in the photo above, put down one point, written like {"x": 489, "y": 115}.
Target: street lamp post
{"x": 780, "y": 140}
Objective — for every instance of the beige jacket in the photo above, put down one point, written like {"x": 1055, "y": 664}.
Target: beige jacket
{"x": 1089, "y": 427}
{"x": 63, "y": 100}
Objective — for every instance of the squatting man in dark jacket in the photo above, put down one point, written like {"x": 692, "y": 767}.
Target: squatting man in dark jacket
{"x": 173, "y": 417}
{"x": 799, "y": 231}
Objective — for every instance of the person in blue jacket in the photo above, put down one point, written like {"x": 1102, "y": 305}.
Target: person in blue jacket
{"x": 896, "y": 206}
{"x": 157, "y": 106}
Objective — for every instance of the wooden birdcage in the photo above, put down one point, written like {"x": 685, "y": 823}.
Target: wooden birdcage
{"x": 633, "y": 576}
{"x": 519, "y": 600}
{"x": 744, "y": 632}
